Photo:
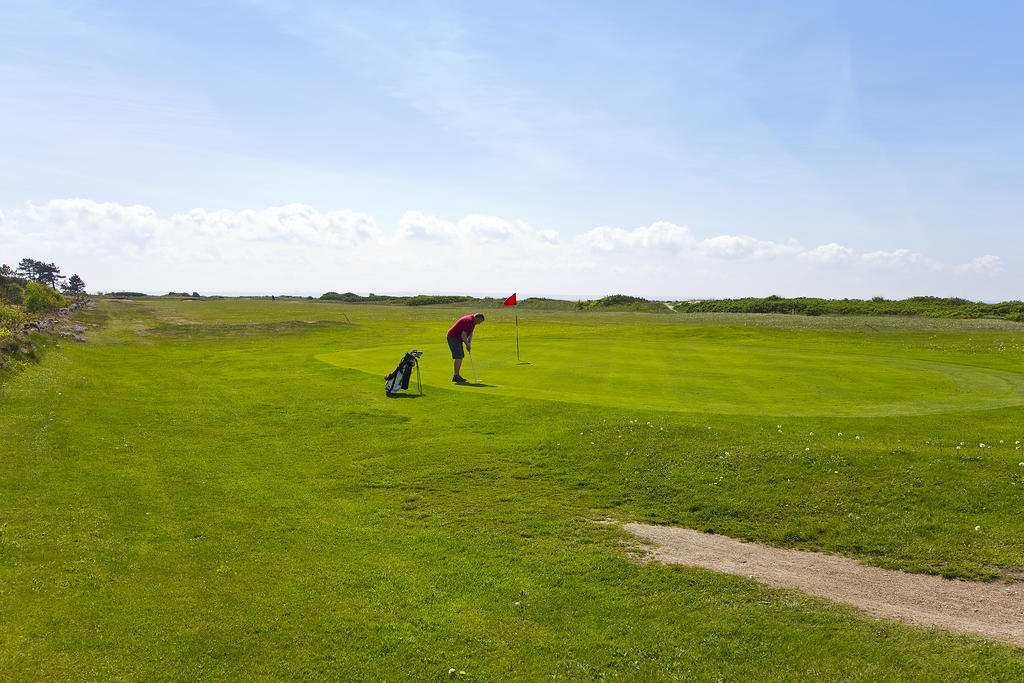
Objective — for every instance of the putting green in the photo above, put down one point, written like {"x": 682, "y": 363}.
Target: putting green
{"x": 715, "y": 378}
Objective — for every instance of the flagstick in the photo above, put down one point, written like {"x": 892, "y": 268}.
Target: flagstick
{"x": 517, "y": 336}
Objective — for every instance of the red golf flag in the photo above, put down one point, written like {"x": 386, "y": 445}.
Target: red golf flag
{"x": 511, "y": 301}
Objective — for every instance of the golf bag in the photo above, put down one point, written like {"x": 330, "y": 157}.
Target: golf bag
{"x": 399, "y": 379}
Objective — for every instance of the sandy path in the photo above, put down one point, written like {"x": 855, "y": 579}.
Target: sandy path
{"x": 992, "y": 610}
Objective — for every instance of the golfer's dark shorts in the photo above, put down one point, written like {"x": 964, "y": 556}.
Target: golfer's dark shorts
{"x": 456, "y": 347}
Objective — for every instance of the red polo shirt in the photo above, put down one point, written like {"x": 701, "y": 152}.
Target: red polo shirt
{"x": 463, "y": 324}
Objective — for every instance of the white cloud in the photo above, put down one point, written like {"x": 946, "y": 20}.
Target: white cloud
{"x": 548, "y": 236}
{"x": 296, "y": 248}
{"x": 739, "y": 247}
{"x": 287, "y": 225}
{"x": 829, "y": 254}
{"x": 474, "y": 229}
{"x": 486, "y": 229}
{"x": 899, "y": 258}
{"x": 983, "y": 265}
{"x": 86, "y": 225}
{"x": 660, "y": 235}
{"x": 416, "y": 226}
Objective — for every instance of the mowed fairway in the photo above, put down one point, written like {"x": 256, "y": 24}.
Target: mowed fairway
{"x": 220, "y": 490}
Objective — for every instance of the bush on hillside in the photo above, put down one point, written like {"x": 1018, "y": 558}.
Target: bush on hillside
{"x": 12, "y": 319}
{"x": 11, "y": 292}
{"x": 347, "y": 296}
{"x": 42, "y": 299}
{"x": 927, "y": 306}
{"x": 619, "y": 300}
{"x": 427, "y": 300}
{"x": 353, "y": 298}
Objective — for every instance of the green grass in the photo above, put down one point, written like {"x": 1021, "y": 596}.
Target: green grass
{"x": 220, "y": 490}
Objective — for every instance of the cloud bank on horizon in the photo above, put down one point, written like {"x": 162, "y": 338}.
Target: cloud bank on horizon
{"x": 296, "y": 248}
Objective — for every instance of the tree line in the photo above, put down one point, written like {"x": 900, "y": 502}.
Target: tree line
{"x": 31, "y": 270}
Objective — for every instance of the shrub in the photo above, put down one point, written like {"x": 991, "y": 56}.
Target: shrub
{"x": 12, "y": 318}
{"x": 40, "y": 298}
{"x": 429, "y": 300}
{"x": 347, "y": 296}
{"x": 619, "y": 300}
{"x": 11, "y": 292}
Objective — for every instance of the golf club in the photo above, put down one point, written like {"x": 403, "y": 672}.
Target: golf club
{"x": 472, "y": 365}
{"x": 418, "y": 382}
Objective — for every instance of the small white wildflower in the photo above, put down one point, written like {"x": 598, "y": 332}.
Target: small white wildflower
{"x": 981, "y": 445}
{"x": 977, "y": 528}
{"x": 807, "y": 449}
{"x": 839, "y": 434}
{"x": 856, "y": 437}
{"x": 810, "y": 433}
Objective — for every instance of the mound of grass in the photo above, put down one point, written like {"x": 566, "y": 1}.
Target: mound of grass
{"x": 622, "y": 302}
{"x": 351, "y": 297}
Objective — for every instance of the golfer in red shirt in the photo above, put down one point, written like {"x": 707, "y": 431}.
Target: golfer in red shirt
{"x": 462, "y": 333}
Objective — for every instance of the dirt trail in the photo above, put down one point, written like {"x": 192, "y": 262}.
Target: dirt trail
{"x": 992, "y": 610}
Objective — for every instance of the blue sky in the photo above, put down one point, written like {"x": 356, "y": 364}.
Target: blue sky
{"x": 815, "y": 148}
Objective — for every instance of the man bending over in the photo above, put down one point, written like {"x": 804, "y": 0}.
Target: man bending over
{"x": 462, "y": 333}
